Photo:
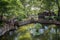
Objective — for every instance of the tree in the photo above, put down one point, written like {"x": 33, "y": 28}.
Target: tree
{"x": 57, "y": 2}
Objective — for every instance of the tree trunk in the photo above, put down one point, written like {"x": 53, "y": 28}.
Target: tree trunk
{"x": 59, "y": 11}
{"x": 57, "y": 2}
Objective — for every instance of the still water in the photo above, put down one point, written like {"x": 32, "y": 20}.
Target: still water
{"x": 14, "y": 35}
{"x": 40, "y": 31}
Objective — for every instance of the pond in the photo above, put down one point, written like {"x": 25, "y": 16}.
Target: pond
{"x": 33, "y": 32}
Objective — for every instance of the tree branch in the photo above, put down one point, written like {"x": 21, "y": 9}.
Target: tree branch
{"x": 10, "y": 26}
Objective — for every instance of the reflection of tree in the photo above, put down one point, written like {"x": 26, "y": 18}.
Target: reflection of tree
{"x": 49, "y": 33}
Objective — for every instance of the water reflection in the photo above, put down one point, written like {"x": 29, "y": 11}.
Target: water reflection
{"x": 51, "y": 32}
{"x": 46, "y": 27}
{"x": 41, "y": 31}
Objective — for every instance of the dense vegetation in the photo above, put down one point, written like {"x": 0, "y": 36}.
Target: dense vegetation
{"x": 22, "y": 10}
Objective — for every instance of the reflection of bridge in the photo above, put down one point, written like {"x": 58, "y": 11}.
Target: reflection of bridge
{"x": 9, "y": 26}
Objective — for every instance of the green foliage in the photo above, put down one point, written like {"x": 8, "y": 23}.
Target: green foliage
{"x": 24, "y": 32}
{"x": 12, "y": 8}
{"x": 25, "y": 36}
{"x": 38, "y": 26}
{"x": 24, "y": 8}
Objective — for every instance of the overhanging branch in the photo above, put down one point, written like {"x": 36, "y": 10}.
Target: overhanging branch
{"x": 8, "y": 27}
